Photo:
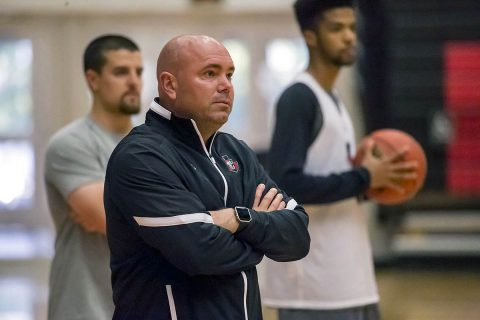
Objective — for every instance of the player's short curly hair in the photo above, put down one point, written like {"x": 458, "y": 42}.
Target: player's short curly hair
{"x": 308, "y": 11}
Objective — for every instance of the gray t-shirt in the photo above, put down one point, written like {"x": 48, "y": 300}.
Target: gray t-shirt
{"x": 80, "y": 285}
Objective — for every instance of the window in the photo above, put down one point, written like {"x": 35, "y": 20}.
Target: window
{"x": 284, "y": 59}
{"x": 16, "y": 125}
{"x": 239, "y": 118}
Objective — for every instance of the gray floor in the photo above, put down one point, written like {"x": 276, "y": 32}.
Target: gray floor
{"x": 442, "y": 289}
{"x": 430, "y": 295}
{"x": 439, "y": 291}
{"x": 23, "y": 289}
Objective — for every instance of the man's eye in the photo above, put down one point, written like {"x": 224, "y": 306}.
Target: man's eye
{"x": 121, "y": 72}
{"x": 210, "y": 73}
{"x": 335, "y": 27}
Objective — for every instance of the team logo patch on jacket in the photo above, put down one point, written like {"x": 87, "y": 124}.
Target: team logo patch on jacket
{"x": 231, "y": 165}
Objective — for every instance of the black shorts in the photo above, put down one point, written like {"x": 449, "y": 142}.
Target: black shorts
{"x": 368, "y": 312}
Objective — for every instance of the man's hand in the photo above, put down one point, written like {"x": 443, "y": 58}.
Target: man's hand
{"x": 388, "y": 171}
{"x": 271, "y": 201}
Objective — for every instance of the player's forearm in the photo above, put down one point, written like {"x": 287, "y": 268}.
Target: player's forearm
{"x": 91, "y": 222}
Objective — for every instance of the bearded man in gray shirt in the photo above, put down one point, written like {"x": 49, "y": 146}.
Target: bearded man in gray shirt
{"x": 75, "y": 164}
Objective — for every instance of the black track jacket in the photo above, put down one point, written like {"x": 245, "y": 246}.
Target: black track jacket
{"x": 168, "y": 260}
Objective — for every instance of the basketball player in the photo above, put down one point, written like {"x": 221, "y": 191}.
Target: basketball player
{"x": 310, "y": 157}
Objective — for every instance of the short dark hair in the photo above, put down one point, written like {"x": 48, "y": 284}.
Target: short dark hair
{"x": 308, "y": 11}
{"x": 94, "y": 55}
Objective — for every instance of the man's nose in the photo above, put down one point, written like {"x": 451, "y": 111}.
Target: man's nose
{"x": 225, "y": 83}
{"x": 134, "y": 79}
{"x": 350, "y": 35}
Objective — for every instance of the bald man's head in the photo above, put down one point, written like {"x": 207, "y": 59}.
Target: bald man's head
{"x": 180, "y": 48}
{"x": 194, "y": 75}
{"x": 178, "y": 56}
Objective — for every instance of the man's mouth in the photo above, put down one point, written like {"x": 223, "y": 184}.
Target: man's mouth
{"x": 132, "y": 94}
{"x": 227, "y": 102}
{"x": 350, "y": 50}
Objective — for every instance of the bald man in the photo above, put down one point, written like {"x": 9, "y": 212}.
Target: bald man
{"x": 190, "y": 211}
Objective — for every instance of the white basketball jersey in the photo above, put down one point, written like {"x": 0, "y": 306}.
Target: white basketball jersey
{"x": 338, "y": 271}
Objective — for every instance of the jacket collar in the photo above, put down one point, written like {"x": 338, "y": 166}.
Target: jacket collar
{"x": 185, "y": 129}
{"x": 157, "y": 108}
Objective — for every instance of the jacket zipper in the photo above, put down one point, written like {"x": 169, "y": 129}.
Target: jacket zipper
{"x": 212, "y": 160}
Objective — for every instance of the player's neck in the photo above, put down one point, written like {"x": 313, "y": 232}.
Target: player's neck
{"x": 115, "y": 123}
{"x": 325, "y": 74}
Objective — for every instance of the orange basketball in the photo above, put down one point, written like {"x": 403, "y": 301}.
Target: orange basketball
{"x": 387, "y": 143}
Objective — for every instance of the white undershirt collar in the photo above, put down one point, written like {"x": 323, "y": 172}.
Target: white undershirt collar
{"x": 157, "y": 108}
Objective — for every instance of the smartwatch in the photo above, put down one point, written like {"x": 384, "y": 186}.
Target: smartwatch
{"x": 243, "y": 214}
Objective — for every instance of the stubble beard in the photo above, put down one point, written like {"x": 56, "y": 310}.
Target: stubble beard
{"x": 341, "y": 60}
{"x": 129, "y": 108}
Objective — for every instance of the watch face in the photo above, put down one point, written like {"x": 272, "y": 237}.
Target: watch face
{"x": 243, "y": 214}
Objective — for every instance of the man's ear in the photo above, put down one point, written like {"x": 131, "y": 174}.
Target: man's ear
{"x": 168, "y": 83}
{"x": 310, "y": 38}
{"x": 92, "y": 79}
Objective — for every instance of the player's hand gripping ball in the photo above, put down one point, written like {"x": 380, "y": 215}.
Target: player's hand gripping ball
{"x": 387, "y": 142}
